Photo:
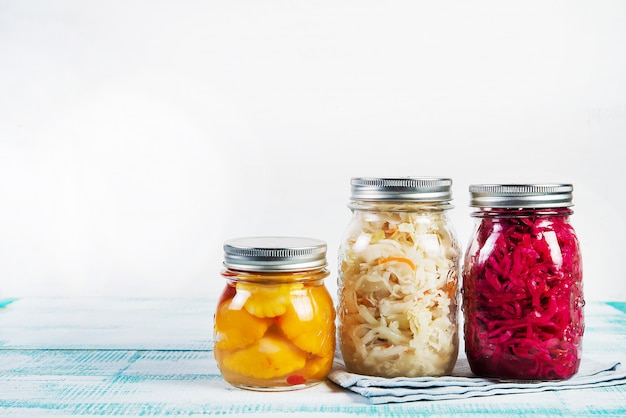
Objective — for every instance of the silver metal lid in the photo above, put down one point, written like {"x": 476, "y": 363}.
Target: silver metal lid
{"x": 274, "y": 254}
{"x": 402, "y": 189}
{"x": 521, "y": 195}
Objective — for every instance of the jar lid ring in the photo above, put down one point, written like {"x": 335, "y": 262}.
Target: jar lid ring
{"x": 274, "y": 254}
{"x": 401, "y": 189}
{"x": 549, "y": 195}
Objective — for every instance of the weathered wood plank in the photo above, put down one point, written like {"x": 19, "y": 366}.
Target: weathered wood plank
{"x": 133, "y": 357}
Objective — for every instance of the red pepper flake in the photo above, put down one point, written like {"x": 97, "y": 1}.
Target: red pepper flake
{"x": 296, "y": 379}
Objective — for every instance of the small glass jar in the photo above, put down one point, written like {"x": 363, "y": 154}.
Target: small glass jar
{"x": 522, "y": 283}
{"x": 397, "y": 284}
{"x": 274, "y": 326}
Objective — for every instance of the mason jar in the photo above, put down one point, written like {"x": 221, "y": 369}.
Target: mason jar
{"x": 397, "y": 283}
{"x": 274, "y": 326}
{"x": 522, "y": 283}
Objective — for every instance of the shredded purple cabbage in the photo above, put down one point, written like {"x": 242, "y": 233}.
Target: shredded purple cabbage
{"x": 523, "y": 298}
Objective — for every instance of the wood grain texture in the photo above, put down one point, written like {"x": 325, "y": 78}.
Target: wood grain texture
{"x": 153, "y": 357}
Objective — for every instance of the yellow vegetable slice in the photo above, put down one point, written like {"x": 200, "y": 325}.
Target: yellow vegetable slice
{"x": 267, "y": 301}
{"x": 271, "y": 356}
{"x": 309, "y": 322}
{"x": 236, "y": 328}
{"x": 317, "y": 368}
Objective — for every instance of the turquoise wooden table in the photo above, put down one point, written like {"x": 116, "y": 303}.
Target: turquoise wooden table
{"x": 153, "y": 357}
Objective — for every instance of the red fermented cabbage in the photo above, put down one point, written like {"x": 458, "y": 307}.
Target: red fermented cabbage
{"x": 522, "y": 296}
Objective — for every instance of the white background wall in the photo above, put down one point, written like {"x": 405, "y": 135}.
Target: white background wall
{"x": 136, "y": 136}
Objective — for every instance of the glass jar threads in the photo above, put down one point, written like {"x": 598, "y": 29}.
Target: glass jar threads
{"x": 274, "y": 326}
{"x": 522, "y": 283}
{"x": 397, "y": 284}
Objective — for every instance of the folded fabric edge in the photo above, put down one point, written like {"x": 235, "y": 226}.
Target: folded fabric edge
{"x": 347, "y": 379}
{"x": 383, "y": 399}
{"x": 372, "y": 391}
{"x": 485, "y": 385}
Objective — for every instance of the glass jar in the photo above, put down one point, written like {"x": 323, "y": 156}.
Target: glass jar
{"x": 397, "y": 284}
{"x": 274, "y": 326}
{"x": 522, "y": 283}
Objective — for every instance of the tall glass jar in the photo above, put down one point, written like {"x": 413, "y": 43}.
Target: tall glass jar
{"x": 522, "y": 283}
{"x": 397, "y": 284}
{"x": 274, "y": 326}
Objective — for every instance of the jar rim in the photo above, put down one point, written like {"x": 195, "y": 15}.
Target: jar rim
{"x": 398, "y": 206}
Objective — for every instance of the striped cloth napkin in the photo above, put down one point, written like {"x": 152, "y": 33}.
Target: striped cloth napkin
{"x": 463, "y": 384}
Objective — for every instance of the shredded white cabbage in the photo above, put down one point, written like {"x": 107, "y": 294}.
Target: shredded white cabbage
{"x": 398, "y": 293}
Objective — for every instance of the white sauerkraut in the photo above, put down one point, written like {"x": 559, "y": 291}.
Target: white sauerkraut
{"x": 398, "y": 293}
